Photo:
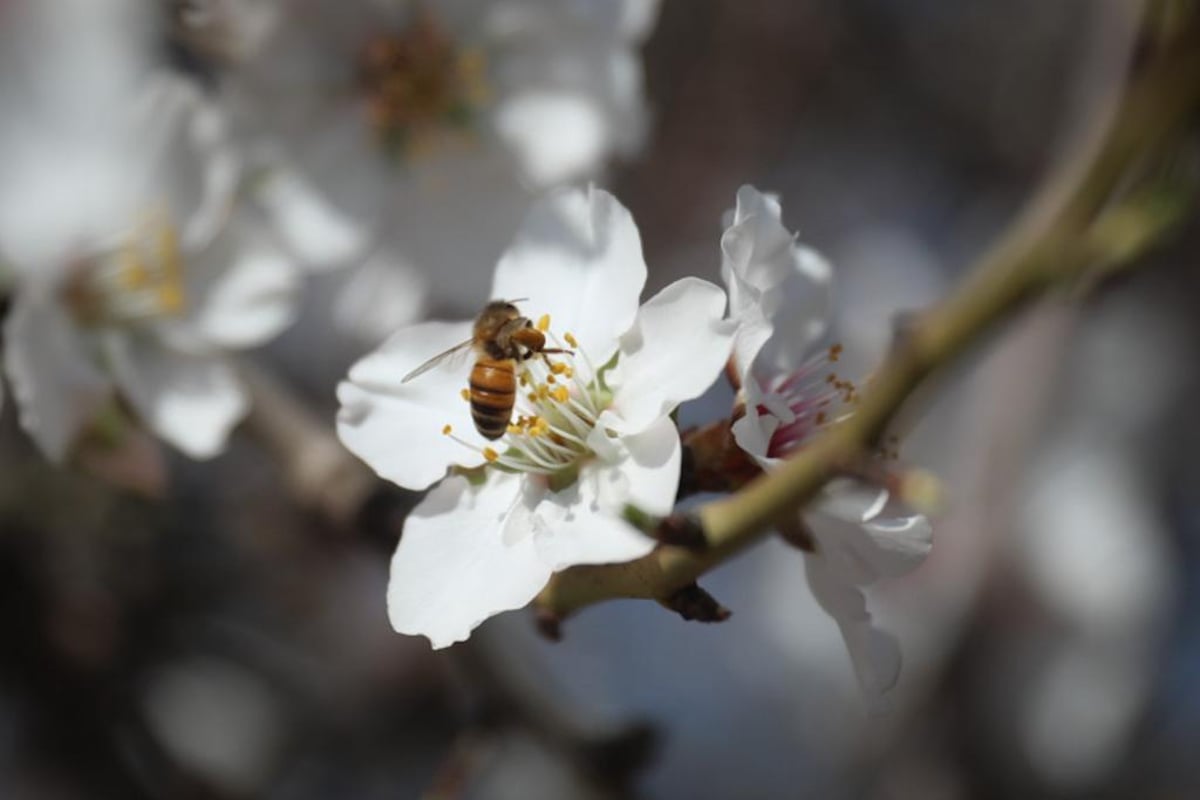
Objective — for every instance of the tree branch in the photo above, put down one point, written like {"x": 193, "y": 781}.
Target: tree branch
{"x": 1070, "y": 226}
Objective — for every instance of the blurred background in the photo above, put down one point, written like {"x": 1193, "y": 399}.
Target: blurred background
{"x": 229, "y": 640}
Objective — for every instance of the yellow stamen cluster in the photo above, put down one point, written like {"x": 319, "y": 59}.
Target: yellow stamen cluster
{"x": 141, "y": 279}
{"x": 557, "y": 411}
{"x": 530, "y": 426}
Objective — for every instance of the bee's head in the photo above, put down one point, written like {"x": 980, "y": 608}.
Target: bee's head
{"x": 494, "y": 315}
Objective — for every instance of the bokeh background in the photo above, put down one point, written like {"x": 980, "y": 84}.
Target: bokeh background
{"x": 228, "y": 641}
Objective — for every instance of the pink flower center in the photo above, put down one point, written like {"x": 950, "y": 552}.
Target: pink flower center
{"x": 806, "y": 401}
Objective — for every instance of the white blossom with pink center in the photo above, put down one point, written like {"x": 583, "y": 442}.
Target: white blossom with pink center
{"x": 780, "y": 296}
{"x": 591, "y": 430}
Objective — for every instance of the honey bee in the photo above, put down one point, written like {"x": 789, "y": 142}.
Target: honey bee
{"x": 501, "y": 338}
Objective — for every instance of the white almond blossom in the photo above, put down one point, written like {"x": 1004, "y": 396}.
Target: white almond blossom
{"x": 408, "y": 138}
{"x": 132, "y": 276}
{"x": 591, "y": 431}
{"x": 209, "y": 35}
{"x": 779, "y": 293}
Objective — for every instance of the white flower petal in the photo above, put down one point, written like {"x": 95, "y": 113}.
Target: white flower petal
{"x": 875, "y": 654}
{"x": 577, "y": 257}
{"x": 675, "y": 350}
{"x": 899, "y": 544}
{"x": 583, "y": 525}
{"x": 755, "y": 245}
{"x": 589, "y": 536}
{"x": 191, "y": 165}
{"x": 453, "y": 569}
{"x": 851, "y": 500}
{"x": 318, "y": 233}
{"x": 652, "y": 469}
{"x": 753, "y": 434}
{"x": 806, "y": 303}
{"x": 56, "y": 386}
{"x": 242, "y": 291}
{"x": 69, "y": 153}
{"x": 556, "y": 136}
{"x": 379, "y": 296}
{"x": 865, "y": 552}
{"x": 397, "y": 427}
{"x": 779, "y": 290}
{"x": 190, "y": 401}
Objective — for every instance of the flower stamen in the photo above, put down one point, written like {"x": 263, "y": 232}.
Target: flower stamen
{"x": 140, "y": 279}
{"x": 420, "y": 88}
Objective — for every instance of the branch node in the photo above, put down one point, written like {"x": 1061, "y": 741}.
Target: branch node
{"x": 796, "y": 533}
{"x": 695, "y": 604}
{"x": 681, "y": 530}
{"x": 548, "y": 624}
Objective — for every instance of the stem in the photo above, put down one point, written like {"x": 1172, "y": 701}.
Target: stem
{"x": 1064, "y": 231}
{"x": 318, "y": 469}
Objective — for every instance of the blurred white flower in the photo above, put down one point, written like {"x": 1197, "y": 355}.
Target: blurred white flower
{"x": 779, "y": 294}
{"x": 409, "y": 138}
{"x": 211, "y": 34}
{"x": 591, "y": 434}
{"x": 132, "y": 276}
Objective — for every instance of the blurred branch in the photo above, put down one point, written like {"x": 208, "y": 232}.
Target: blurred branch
{"x": 1071, "y": 226}
{"x": 318, "y": 469}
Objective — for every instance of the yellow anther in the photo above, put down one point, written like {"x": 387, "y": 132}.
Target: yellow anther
{"x": 568, "y": 372}
{"x": 490, "y": 454}
{"x": 170, "y": 298}
{"x": 533, "y": 397}
{"x": 570, "y": 338}
{"x": 543, "y": 391}
{"x": 514, "y": 429}
{"x": 133, "y": 273}
{"x": 447, "y": 430}
{"x": 551, "y": 379}
{"x": 561, "y": 394}
{"x": 558, "y": 368}
{"x": 465, "y": 394}
{"x": 543, "y": 323}
{"x": 524, "y": 378}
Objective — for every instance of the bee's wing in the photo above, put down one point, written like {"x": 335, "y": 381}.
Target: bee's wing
{"x": 461, "y": 347}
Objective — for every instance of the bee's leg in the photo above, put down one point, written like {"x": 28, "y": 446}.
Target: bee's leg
{"x": 546, "y": 352}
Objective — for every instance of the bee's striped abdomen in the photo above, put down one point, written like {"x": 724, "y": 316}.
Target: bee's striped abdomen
{"x": 493, "y": 395}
